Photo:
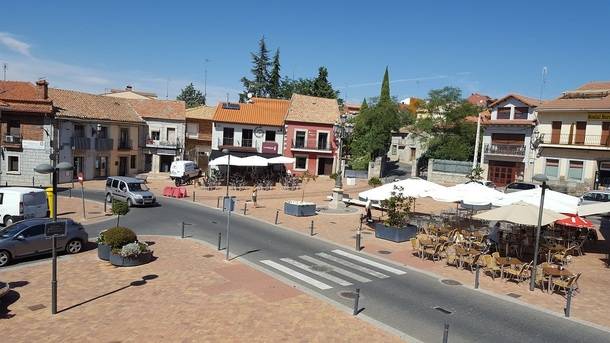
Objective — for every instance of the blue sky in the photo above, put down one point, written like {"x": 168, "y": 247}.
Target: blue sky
{"x": 480, "y": 46}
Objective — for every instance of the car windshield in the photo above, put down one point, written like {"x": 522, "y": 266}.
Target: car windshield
{"x": 10, "y": 231}
{"x": 137, "y": 187}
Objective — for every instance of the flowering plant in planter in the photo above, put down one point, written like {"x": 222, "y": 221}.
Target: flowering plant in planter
{"x": 134, "y": 249}
{"x": 100, "y": 238}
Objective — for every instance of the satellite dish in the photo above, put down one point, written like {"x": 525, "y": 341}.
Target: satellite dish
{"x": 250, "y": 95}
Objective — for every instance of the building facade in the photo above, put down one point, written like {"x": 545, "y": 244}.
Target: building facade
{"x": 406, "y": 147}
{"x": 506, "y": 149}
{"x": 100, "y": 136}
{"x": 310, "y": 139}
{"x": 26, "y": 130}
{"x": 198, "y": 137}
{"x": 574, "y": 138}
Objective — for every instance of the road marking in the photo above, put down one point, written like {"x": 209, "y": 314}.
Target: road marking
{"x": 316, "y": 272}
{"x": 352, "y": 265}
{"x": 335, "y": 269}
{"x": 295, "y": 274}
{"x": 369, "y": 262}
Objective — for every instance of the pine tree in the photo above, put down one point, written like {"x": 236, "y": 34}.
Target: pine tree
{"x": 275, "y": 78}
{"x": 260, "y": 65}
{"x": 191, "y": 96}
{"x": 321, "y": 86}
{"x": 364, "y": 105}
{"x": 384, "y": 97}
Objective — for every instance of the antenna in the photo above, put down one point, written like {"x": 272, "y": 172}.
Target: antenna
{"x": 167, "y": 89}
{"x": 205, "y": 79}
{"x": 227, "y": 97}
{"x": 4, "y": 66}
{"x": 545, "y": 72}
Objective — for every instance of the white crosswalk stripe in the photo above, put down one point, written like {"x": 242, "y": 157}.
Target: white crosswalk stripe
{"x": 352, "y": 265}
{"x": 317, "y": 272}
{"x": 369, "y": 262}
{"x": 335, "y": 269}
{"x": 300, "y": 276}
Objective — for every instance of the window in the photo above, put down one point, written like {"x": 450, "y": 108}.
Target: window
{"x": 171, "y": 134}
{"x": 300, "y": 162}
{"x": 79, "y": 130}
{"x": 103, "y": 132}
{"x": 575, "y": 169}
{"x": 503, "y": 113}
{"x": 269, "y": 136}
{"x": 108, "y": 182}
{"x": 323, "y": 141}
{"x": 299, "y": 139}
{"x": 556, "y": 132}
{"x": 394, "y": 150}
{"x": 123, "y": 186}
{"x": 155, "y": 135}
{"x": 36, "y": 230}
{"x": 115, "y": 183}
{"x": 1, "y": 198}
{"x": 192, "y": 129}
{"x": 246, "y": 138}
{"x": 552, "y": 168}
{"x": 227, "y": 136}
{"x": 14, "y": 128}
{"x": 13, "y": 164}
{"x": 521, "y": 112}
{"x": 133, "y": 162}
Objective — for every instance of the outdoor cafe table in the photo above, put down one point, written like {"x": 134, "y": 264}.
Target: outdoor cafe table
{"x": 551, "y": 249}
{"x": 555, "y": 272}
{"x": 507, "y": 261}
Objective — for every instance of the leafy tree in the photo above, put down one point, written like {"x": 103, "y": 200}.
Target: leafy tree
{"x": 322, "y": 87}
{"x": 275, "y": 78}
{"x": 191, "y": 96}
{"x": 300, "y": 86}
{"x": 119, "y": 208}
{"x": 259, "y": 86}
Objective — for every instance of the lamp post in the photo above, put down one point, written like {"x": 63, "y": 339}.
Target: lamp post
{"x": 46, "y": 168}
{"x": 341, "y": 129}
{"x": 227, "y": 202}
{"x": 540, "y": 178}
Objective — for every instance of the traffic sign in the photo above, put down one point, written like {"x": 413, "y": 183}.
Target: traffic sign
{"x": 56, "y": 228}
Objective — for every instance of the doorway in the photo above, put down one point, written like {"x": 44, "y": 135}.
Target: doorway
{"x": 502, "y": 173}
{"x": 123, "y": 166}
{"x": 101, "y": 166}
{"x": 165, "y": 161}
{"x": 325, "y": 166}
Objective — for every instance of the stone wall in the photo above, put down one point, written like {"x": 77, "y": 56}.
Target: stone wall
{"x": 448, "y": 176}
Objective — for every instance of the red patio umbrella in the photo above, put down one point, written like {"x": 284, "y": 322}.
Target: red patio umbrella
{"x": 575, "y": 221}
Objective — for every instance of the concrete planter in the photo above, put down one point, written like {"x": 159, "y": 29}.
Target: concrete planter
{"x": 299, "y": 209}
{"x": 120, "y": 261}
{"x": 103, "y": 251}
{"x": 395, "y": 234}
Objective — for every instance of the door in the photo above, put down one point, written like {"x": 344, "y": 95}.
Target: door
{"x": 413, "y": 154}
{"x": 101, "y": 166}
{"x": 556, "y": 132}
{"x": 325, "y": 166}
{"x": 121, "y": 191}
{"x": 33, "y": 241}
{"x": 605, "y": 140}
{"x": 502, "y": 173}
{"x": 581, "y": 128}
{"x": 123, "y": 166}
{"x": 323, "y": 141}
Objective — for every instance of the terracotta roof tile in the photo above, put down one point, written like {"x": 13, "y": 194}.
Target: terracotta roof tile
{"x": 260, "y": 111}
{"x": 22, "y": 96}
{"x": 200, "y": 112}
{"x": 159, "y": 109}
{"x": 524, "y": 99}
{"x": 311, "y": 109}
{"x": 73, "y": 104}
{"x": 590, "y": 96}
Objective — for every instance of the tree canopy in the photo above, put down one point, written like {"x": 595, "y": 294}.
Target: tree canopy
{"x": 259, "y": 85}
{"x": 191, "y": 96}
{"x": 275, "y": 77}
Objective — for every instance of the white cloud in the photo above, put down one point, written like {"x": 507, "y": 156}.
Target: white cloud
{"x": 14, "y": 44}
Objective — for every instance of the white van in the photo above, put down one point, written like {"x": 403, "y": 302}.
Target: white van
{"x": 18, "y": 203}
{"x": 182, "y": 171}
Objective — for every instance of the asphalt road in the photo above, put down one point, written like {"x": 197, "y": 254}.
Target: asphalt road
{"x": 403, "y": 299}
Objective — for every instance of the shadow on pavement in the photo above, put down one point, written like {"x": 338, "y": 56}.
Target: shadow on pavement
{"x": 245, "y": 253}
{"x": 10, "y": 298}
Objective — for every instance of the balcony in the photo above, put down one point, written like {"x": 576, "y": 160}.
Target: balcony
{"x": 12, "y": 141}
{"x": 598, "y": 142}
{"x": 155, "y": 143}
{"x": 125, "y": 144}
{"x": 81, "y": 143}
{"x": 311, "y": 146}
{"x": 104, "y": 144}
{"x": 517, "y": 150}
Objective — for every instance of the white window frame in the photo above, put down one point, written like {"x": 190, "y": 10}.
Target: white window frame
{"x": 567, "y": 169}
{"x": 328, "y": 142}
{"x": 558, "y": 168}
{"x": 294, "y": 165}
{"x": 8, "y": 157}
{"x": 189, "y": 132}
{"x": 294, "y": 138}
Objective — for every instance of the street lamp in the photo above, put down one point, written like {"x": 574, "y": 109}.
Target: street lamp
{"x": 342, "y": 129}
{"x": 227, "y": 201}
{"x": 46, "y": 168}
{"x": 540, "y": 178}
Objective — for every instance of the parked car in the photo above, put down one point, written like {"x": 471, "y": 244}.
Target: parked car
{"x": 594, "y": 197}
{"x": 18, "y": 203}
{"x": 519, "y": 186}
{"x": 27, "y": 238}
{"x": 182, "y": 171}
{"x": 130, "y": 190}
{"x": 486, "y": 183}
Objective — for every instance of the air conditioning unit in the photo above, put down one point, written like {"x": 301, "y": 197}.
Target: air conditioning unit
{"x": 9, "y": 139}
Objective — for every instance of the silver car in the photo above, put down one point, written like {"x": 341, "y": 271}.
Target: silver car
{"x": 130, "y": 190}
{"x": 27, "y": 238}
{"x": 593, "y": 197}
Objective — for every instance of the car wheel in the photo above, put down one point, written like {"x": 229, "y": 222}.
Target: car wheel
{"x": 5, "y": 258}
{"x": 129, "y": 203}
{"x": 74, "y": 246}
{"x": 8, "y": 220}
{"x": 108, "y": 198}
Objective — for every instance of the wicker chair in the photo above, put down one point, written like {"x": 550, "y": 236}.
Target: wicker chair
{"x": 433, "y": 253}
{"x": 540, "y": 277}
{"x": 519, "y": 273}
{"x": 417, "y": 248}
{"x": 562, "y": 256}
{"x": 452, "y": 259}
{"x": 490, "y": 266}
{"x": 567, "y": 283}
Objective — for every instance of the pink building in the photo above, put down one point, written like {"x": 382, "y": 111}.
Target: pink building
{"x": 309, "y": 135}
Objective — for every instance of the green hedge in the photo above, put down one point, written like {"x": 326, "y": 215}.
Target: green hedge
{"x": 117, "y": 237}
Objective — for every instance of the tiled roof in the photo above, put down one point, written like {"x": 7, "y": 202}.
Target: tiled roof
{"x": 159, "y": 109}
{"x": 312, "y": 109}
{"x": 590, "y": 96}
{"x": 73, "y": 104}
{"x": 260, "y": 111}
{"x": 22, "y": 96}
{"x": 524, "y": 99}
{"x": 509, "y": 122}
{"x": 200, "y": 112}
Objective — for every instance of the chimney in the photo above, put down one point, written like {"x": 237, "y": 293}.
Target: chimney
{"x": 129, "y": 88}
{"x": 42, "y": 89}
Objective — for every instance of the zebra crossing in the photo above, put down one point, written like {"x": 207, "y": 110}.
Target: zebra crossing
{"x": 337, "y": 267}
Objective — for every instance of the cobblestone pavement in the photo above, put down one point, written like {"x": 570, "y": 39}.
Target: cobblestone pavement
{"x": 188, "y": 294}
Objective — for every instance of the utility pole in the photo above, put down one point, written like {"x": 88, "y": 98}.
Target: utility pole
{"x": 205, "y": 80}
{"x": 4, "y": 66}
{"x": 476, "y": 142}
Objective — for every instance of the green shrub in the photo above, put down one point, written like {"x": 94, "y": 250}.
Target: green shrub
{"x": 120, "y": 208}
{"x": 374, "y": 182}
{"x": 360, "y": 162}
{"x": 117, "y": 237}
{"x": 334, "y": 175}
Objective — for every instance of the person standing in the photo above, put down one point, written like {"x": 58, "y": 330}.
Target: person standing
{"x": 369, "y": 216}
{"x": 254, "y": 194}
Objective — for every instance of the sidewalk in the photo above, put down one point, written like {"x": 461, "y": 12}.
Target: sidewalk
{"x": 189, "y": 294}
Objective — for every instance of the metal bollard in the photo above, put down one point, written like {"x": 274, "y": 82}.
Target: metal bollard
{"x": 245, "y": 207}
{"x": 105, "y": 205}
{"x": 277, "y": 214}
{"x": 32, "y": 181}
{"x": 218, "y": 202}
{"x": 70, "y": 192}
{"x": 476, "y": 277}
{"x": 311, "y": 229}
{"x": 182, "y": 236}
{"x": 219, "y": 239}
{"x": 568, "y": 302}
{"x": 608, "y": 260}
{"x": 358, "y": 241}
{"x": 446, "y": 333}
{"x": 193, "y": 196}
{"x": 356, "y": 299}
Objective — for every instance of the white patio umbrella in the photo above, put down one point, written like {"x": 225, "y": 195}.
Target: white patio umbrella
{"x": 280, "y": 160}
{"x": 413, "y": 187}
{"x": 223, "y": 161}
{"x": 253, "y": 161}
{"x": 520, "y": 213}
{"x": 554, "y": 201}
